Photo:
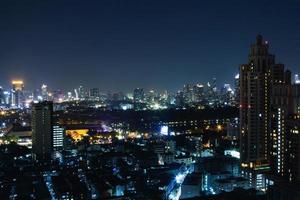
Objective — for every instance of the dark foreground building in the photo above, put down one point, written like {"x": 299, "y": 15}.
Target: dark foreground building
{"x": 42, "y": 139}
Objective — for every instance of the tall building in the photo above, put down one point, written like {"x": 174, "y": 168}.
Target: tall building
{"x": 297, "y": 79}
{"x": 256, "y": 79}
{"x": 17, "y": 98}
{"x": 212, "y": 93}
{"x": 138, "y": 95}
{"x": 82, "y": 93}
{"x": 188, "y": 93}
{"x": 179, "y": 99}
{"x": 94, "y": 94}
{"x": 57, "y": 137}
{"x": 42, "y": 130}
{"x": 2, "y": 97}
{"x": 198, "y": 95}
{"x": 7, "y": 98}
{"x": 286, "y": 159}
{"x": 44, "y": 89}
{"x": 237, "y": 88}
{"x": 281, "y": 105}
{"x": 151, "y": 96}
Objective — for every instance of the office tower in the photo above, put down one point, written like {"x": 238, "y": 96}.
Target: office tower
{"x": 237, "y": 88}
{"x": 94, "y": 94}
{"x": 198, "y": 93}
{"x": 2, "y": 98}
{"x": 213, "y": 84}
{"x": 188, "y": 93}
{"x": 82, "y": 93}
{"x": 42, "y": 137}
{"x": 227, "y": 94}
{"x": 7, "y": 97}
{"x": 138, "y": 95}
{"x": 17, "y": 98}
{"x": 179, "y": 98}
{"x": 44, "y": 89}
{"x": 151, "y": 96}
{"x": 212, "y": 92}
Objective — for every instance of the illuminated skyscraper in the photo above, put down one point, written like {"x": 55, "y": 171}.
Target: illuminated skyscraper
{"x": 188, "y": 93}
{"x": 44, "y": 92}
{"x": 281, "y": 108}
{"x": 17, "y": 98}
{"x": 237, "y": 88}
{"x": 83, "y": 93}
{"x": 257, "y": 79}
{"x": 198, "y": 94}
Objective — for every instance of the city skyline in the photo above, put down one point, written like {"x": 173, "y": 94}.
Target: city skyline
{"x": 75, "y": 125}
{"x": 64, "y": 45}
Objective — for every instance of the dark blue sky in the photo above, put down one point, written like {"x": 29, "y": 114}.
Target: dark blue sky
{"x": 119, "y": 45}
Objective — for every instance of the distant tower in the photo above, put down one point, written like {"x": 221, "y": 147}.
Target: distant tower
{"x": 17, "y": 98}
{"x": 198, "y": 93}
{"x": 94, "y": 94}
{"x": 237, "y": 88}
{"x": 2, "y": 97}
{"x": 44, "y": 92}
{"x": 138, "y": 95}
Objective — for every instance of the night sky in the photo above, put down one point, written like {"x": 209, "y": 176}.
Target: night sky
{"x": 120, "y": 45}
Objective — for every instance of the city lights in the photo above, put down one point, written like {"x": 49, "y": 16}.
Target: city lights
{"x": 162, "y": 100}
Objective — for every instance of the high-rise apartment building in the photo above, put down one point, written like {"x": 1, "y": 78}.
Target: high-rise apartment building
{"x": 258, "y": 79}
{"x": 44, "y": 140}
{"x": 255, "y": 111}
{"x": 269, "y": 138}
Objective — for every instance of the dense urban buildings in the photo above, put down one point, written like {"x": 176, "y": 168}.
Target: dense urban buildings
{"x": 200, "y": 141}
{"x": 151, "y": 100}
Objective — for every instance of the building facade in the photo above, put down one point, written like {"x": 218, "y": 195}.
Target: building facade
{"x": 42, "y": 130}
